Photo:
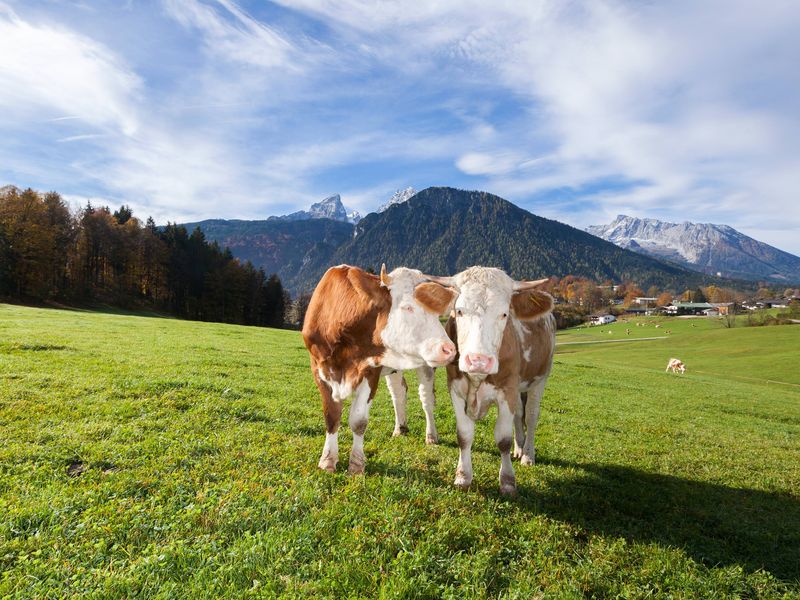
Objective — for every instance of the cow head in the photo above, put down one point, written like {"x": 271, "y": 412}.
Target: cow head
{"x": 413, "y": 334}
{"x": 487, "y": 299}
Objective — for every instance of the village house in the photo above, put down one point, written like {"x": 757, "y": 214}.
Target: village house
{"x": 709, "y": 309}
{"x": 601, "y": 319}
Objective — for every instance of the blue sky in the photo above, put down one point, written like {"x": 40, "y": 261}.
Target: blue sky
{"x": 577, "y": 111}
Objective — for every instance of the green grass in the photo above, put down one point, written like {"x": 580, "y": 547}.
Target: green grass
{"x": 758, "y": 354}
{"x": 147, "y": 457}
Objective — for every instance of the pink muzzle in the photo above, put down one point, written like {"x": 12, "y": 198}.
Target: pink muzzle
{"x": 444, "y": 353}
{"x": 479, "y": 363}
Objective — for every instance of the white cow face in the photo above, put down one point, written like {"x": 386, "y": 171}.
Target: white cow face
{"x": 413, "y": 335}
{"x": 487, "y": 299}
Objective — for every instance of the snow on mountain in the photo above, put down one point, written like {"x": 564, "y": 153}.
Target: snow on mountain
{"x": 398, "y": 197}
{"x": 705, "y": 247}
{"x": 329, "y": 208}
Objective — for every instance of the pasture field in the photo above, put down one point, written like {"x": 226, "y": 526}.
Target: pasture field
{"x": 150, "y": 457}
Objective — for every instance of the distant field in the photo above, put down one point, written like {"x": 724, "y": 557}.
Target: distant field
{"x": 760, "y": 354}
{"x": 161, "y": 458}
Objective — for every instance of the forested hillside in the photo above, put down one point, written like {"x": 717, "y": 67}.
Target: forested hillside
{"x": 278, "y": 246}
{"x": 99, "y": 257}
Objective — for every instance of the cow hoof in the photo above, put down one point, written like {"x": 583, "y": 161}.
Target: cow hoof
{"x": 431, "y": 439}
{"x": 508, "y": 489}
{"x": 328, "y": 463}
{"x": 508, "y": 485}
{"x": 462, "y": 482}
{"x": 355, "y": 469}
{"x": 527, "y": 460}
{"x": 402, "y": 430}
{"x": 356, "y": 466}
{"x": 517, "y": 452}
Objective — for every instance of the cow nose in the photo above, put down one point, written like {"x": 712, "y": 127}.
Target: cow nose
{"x": 445, "y": 352}
{"x": 448, "y": 350}
{"x": 478, "y": 363}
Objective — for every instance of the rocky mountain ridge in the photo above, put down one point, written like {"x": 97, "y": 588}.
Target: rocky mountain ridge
{"x": 705, "y": 247}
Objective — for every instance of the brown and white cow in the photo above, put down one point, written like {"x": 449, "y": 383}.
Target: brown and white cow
{"x": 357, "y": 325}
{"x": 505, "y": 334}
{"x": 676, "y": 365}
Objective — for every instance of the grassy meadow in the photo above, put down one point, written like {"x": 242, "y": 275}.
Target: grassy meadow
{"x": 151, "y": 457}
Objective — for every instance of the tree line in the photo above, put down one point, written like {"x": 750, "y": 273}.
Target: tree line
{"x": 578, "y": 297}
{"x": 49, "y": 253}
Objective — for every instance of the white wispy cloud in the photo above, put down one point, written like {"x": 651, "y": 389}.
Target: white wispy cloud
{"x": 239, "y": 38}
{"x": 49, "y": 70}
{"x": 81, "y": 137}
{"x": 576, "y": 110}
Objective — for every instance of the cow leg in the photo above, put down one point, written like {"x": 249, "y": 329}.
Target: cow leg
{"x": 359, "y": 417}
{"x": 532, "y": 409}
{"x": 519, "y": 425}
{"x": 398, "y": 390}
{"x": 426, "y": 396}
{"x": 332, "y": 410}
{"x": 465, "y": 431}
{"x": 503, "y": 430}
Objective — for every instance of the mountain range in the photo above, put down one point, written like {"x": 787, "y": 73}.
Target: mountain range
{"x": 441, "y": 231}
{"x": 705, "y": 247}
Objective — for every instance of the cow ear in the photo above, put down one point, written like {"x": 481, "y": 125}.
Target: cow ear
{"x": 368, "y": 286}
{"x": 434, "y": 297}
{"x": 530, "y": 305}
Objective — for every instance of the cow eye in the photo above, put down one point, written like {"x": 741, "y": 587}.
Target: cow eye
{"x": 504, "y": 316}
{"x": 408, "y": 309}
{"x": 459, "y": 313}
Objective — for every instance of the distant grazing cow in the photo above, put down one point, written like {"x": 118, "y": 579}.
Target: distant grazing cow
{"x": 505, "y": 333}
{"x": 676, "y": 365}
{"x": 357, "y": 325}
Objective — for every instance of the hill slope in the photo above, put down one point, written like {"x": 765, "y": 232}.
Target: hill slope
{"x": 279, "y": 246}
{"x": 187, "y": 468}
{"x": 443, "y": 230}
{"x": 703, "y": 247}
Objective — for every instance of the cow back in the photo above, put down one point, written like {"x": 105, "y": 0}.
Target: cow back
{"x": 345, "y": 316}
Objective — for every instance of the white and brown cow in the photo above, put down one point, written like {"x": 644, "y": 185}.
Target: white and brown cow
{"x": 505, "y": 334}
{"x": 357, "y": 325}
{"x": 676, "y": 365}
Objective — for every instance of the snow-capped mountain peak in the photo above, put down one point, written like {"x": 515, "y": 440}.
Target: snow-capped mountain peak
{"x": 706, "y": 247}
{"x": 398, "y": 197}
{"x": 329, "y": 208}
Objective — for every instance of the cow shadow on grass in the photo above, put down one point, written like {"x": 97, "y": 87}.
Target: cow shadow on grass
{"x": 713, "y": 524}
